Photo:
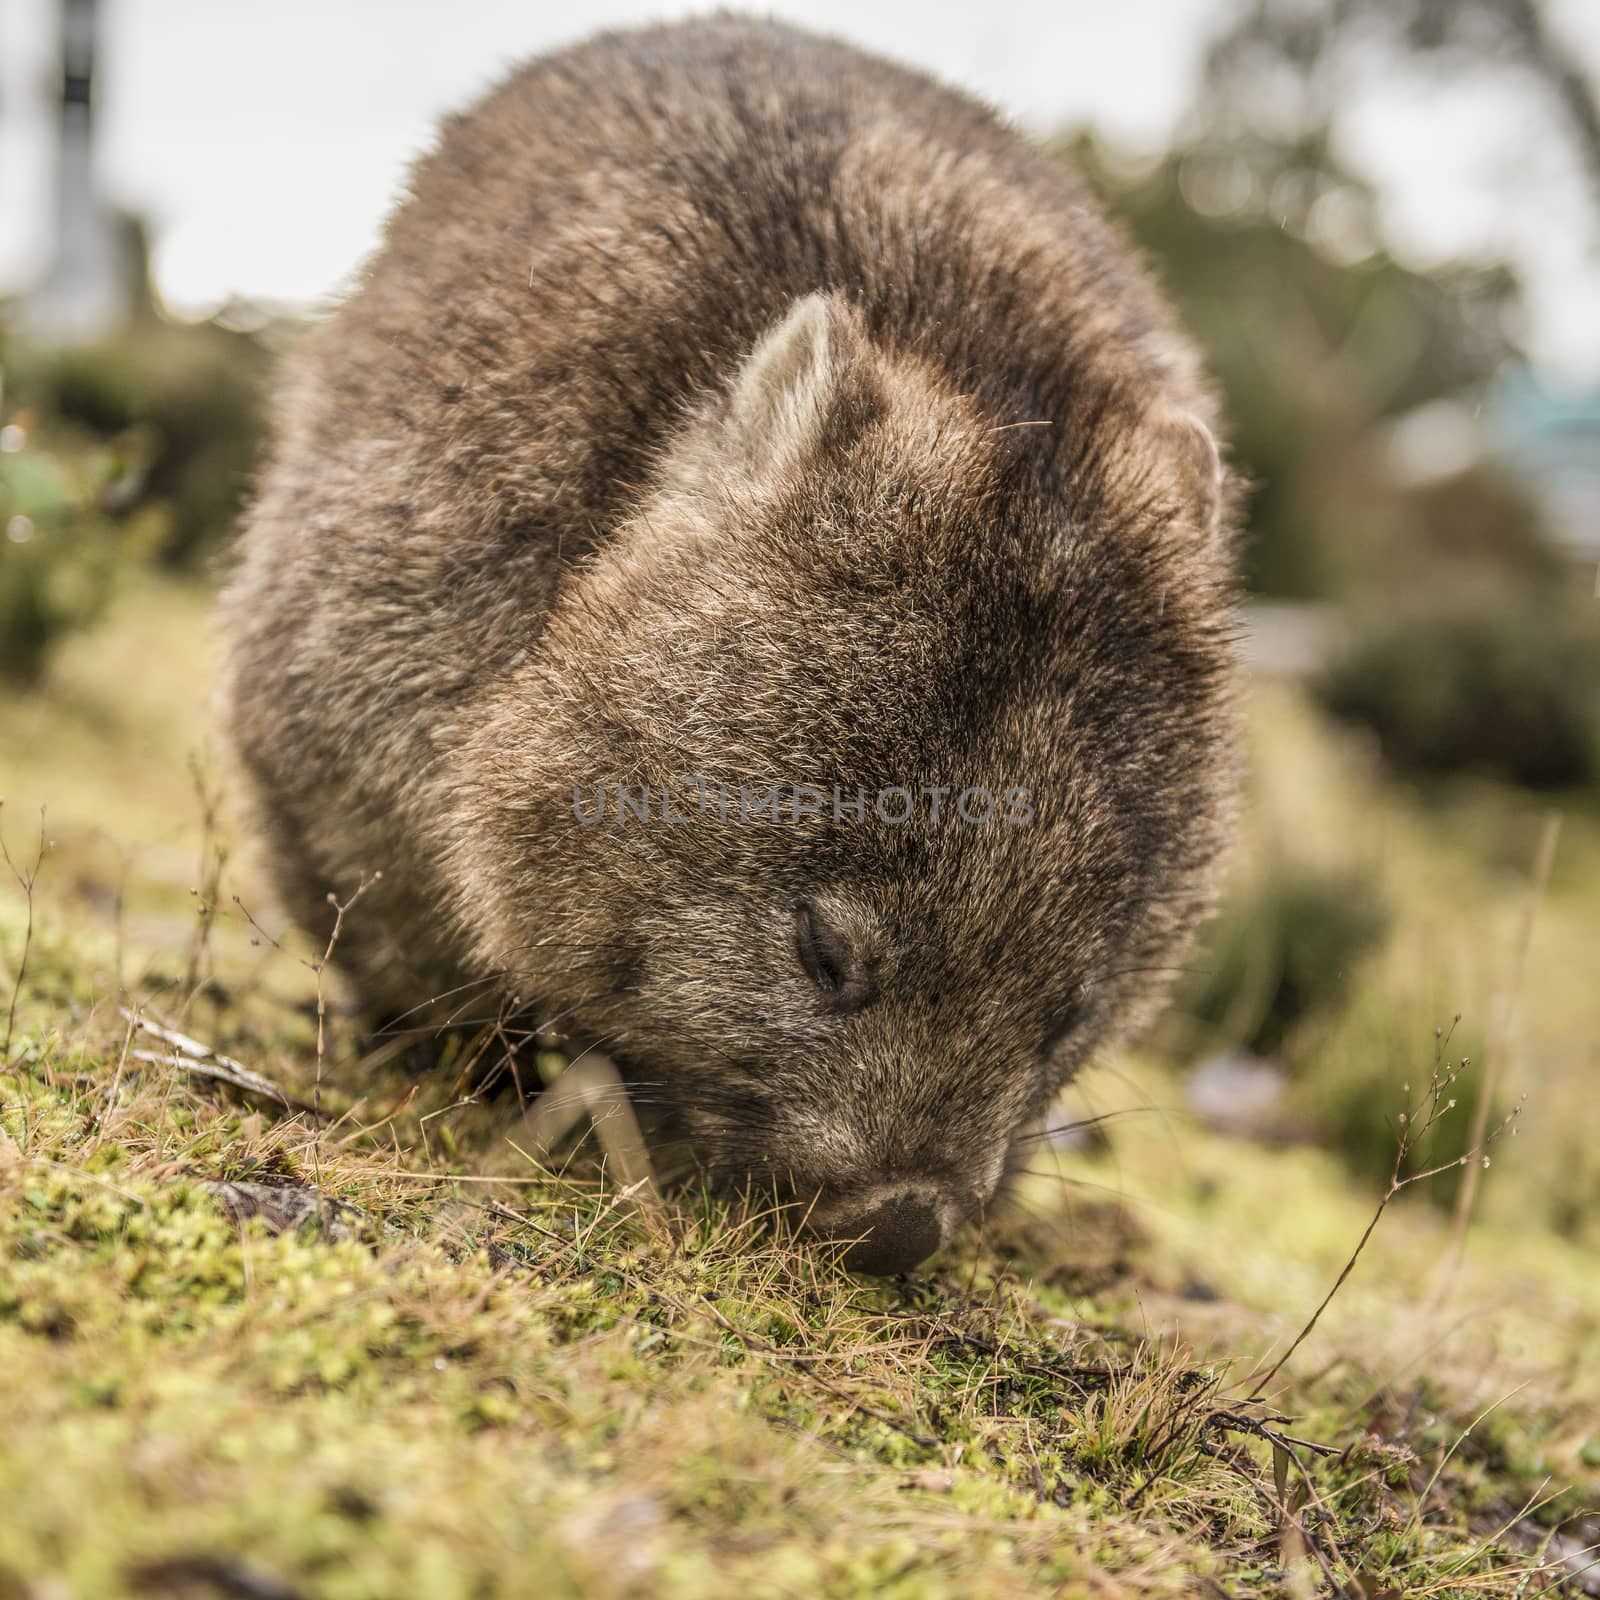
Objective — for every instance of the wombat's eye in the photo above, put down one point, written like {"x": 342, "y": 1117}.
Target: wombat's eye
{"x": 829, "y": 961}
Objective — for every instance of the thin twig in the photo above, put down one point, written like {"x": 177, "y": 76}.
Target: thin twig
{"x": 201, "y": 1060}
{"x": 340, "y": 908}
{"x": 1231, "y": 1421}
{"x": 213, "y": 858}
{"x": 1416, "y": 1123}
{"x": 26, "y": 880}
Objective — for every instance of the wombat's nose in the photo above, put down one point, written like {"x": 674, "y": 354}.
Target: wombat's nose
{"x": 892, "y": 1234}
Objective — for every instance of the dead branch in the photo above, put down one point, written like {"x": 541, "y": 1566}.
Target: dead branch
{"x": 202, "y": 1061}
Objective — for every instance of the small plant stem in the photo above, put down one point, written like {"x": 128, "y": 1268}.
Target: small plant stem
{"x": 1415, "y": 1126}
{"x": 340, "y": 908}
{"x": 1499, "y": 1047}
{"x": 1338, "y": 1283}
{"x": 25, "y": 881}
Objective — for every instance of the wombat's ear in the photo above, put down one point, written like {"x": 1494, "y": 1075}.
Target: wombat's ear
{"x": 792, "y": 380}
{"x": 1199, "y": 466}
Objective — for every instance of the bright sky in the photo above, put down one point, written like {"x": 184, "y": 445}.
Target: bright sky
{"x": 264, "y": 139}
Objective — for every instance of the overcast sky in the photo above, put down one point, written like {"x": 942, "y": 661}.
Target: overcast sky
{"x": 264, "y": 139}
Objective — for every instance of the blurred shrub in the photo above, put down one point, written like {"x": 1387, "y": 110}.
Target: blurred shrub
{"x": 1372, "y": 1063}
{"x": 1321, "y": 342}
{"x": 1281, "y": 953}
{"x": 57, "y": 556}
{"x": 1573, "y": 1176}
{"x": 1500, "y": 683}
{"x": 1473, "y": 524}
{"x": 183, "y": 407}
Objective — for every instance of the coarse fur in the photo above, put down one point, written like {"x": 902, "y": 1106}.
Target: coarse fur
{"x": 725, "y": 403}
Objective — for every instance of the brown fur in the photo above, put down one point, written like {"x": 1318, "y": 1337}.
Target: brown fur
{"x": 724, "y": 402}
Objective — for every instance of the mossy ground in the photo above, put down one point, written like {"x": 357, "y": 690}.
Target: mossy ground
{"x": 478, "y": 1376}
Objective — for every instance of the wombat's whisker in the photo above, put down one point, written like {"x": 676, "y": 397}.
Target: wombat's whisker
{"x": 575, "y": 944}
{"x": 1070, "y": 1181}
{"x": 522, "y": 1035}
{"x": 1131, "y": 972}
{"x": 422, "y": 1005}
{"x": 1060, "y": 1130}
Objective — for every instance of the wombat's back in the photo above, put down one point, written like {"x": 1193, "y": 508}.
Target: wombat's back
{"x": 587, "y": 254}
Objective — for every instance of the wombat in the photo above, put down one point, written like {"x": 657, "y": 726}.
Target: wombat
{"x": 742, "y": 456}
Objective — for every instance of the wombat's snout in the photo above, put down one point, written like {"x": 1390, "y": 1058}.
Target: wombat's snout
{"x": 893, "y": 1228}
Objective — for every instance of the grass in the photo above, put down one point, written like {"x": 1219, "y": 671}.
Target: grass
{"x": 245, "y": 1350}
